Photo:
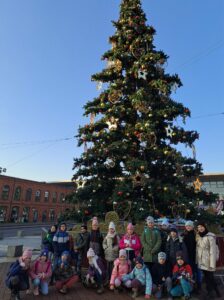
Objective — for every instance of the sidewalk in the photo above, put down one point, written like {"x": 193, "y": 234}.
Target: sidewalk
{"x": 32, "y": 242}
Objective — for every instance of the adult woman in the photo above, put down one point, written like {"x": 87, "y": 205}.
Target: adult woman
{"x": 206, "y": 257}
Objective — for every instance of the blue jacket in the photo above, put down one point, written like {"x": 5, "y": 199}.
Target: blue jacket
{"x": 60, "y": 242}
{"x": 16, "y": 270}
{"x": 143, "y": 275}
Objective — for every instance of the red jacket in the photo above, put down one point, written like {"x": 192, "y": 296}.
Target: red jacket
{"x": 183, "y": 271}
{"x": 133, "y": 242}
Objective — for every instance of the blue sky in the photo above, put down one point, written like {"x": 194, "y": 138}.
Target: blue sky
{"x": 48, "y": 51}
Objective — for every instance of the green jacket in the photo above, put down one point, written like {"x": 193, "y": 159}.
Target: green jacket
{"x": 151, "y": 243}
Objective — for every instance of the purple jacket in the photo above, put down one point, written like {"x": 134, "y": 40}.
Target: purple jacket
{"x": 97, "y": 266}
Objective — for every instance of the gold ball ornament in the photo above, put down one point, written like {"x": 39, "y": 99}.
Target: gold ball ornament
{"x": 142, "y": 168}
{"x": 165, "y": 188}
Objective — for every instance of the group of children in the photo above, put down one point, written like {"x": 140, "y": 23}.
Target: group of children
{"x": 159, "y": 261}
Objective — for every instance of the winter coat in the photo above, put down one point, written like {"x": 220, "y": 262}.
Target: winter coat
{"x": 183, "y": 271}
{"x": 143, "y": 275}
{"x": 133, "y": 241}
{"x": 119, "y": 270}
{"x": 97, "y": 265}
{"x": 48, "y": 241}
{"x": 61, "y": 242}
{"x": 151, "y": 243}
{"x": 164, "y": 236}
{"x": 206, "y": 252}
{"x": 159, "y": 271}
{"x": 65, "y": 272}
{"x": 82, "y": 242}
{"x": 111, "y": 247}
{"x": 189, "y": 239}
{"x": 172, "y": 247}
{"x": 96, "y": 241}
{"x": 41, "y": 267}
{"x": 16, "y": 269}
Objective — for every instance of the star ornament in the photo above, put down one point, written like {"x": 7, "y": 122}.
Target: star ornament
{"x": 169, "y": 131}
{"x": 112, "y": 124}
{"x": 80, "y": 183}
{"x": 142, "y": 74}
{"x": 197, "y": 185}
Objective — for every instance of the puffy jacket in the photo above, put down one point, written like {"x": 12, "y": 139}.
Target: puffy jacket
{"x": 61, "y": 242}
{"x": 111, "y": 247}
{"x": 143, "y": 275}
{"x": 151, "y": 243}
{"x": 173, "y": 246}
{"x": 119, "y": 270}
{"x": 41, "y": 267}
{"x": 133, "y": 241}
{"x": 206, "y": 252}
{"x": 15, "y": 269}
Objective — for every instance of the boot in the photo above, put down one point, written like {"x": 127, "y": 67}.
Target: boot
{"x": 100, "y": 289}
{"x": 36, "y": 291}
{"x": 135, "y": 293}
{"x": 218, "y": 295}
{"x": 15, "y": 296}
{"x": 63, "y": 290}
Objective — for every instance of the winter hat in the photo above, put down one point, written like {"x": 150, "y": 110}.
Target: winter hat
{"x": 150, "y": 220}
{"x": 65, "y": 253}
{"x": 27, "y": 253}
{"x": 130, "y": 226}
{"x": 90, "y": 253}
{"x": 189, "y": 223}
{"x": 179, "y": 255}
{"x": 84, "y": 226}
{"x": 139, "y": 260}
{"x": 122, "y": 252}
{"x": 165, "y": 222}
{"x": 173, "y": 228}
{"x": 44, "y": 253}
{"x": 111, "y": 225}
{"x": 95, "y": 221}
{"x": 161, "y": 255}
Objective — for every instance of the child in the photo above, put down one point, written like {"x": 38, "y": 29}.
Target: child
{"x": 131, "y": 243}
{"x": 164, "y": 232}
{"x": 151, "y": 242}
{"x": 18, "y": 276}
{"x": 111, "y": 247}
{"x": 139, "y": 278}
{"x": 182, "y": 275}
{"x": 161, "y": 276}
{"x": 61, "y": 240}
{"x": 96, "y": 271}
{"x": 64, "y": 274}
{"x": 81, "y": 247}
{"x": 48, "y": 240}
{"x": 121, "y": 267}
{"x": 40, "y": 273}
{"x": 96, "y": 238}
{"x": 174, "y": 244}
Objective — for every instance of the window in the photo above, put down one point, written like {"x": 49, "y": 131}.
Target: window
{"x": 37, "y": 196}
{"x": 35, "y": 215}
{"x": 5, "y": 192}
{"x": 28, "y": 195}
{"x": 25, "y": 215}
{"x": 3, "y": 211}
{"x": 51, "y": 215}
{"x": 62, "y": 197}
{"x": 44, "y": 216}
{"x": 54, "y": 197}
{"x": 46, "y": 196}
{"x": 15, "y": 214}
{"x": 17, "y": 193}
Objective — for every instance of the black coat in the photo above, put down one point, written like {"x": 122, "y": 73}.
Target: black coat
{"x": 159, "y": 271}
{"x": 190, "y": 242}
{"x": 174, "y": 246}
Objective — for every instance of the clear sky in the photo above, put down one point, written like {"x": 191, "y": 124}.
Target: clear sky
{"x": 50, "y": 48}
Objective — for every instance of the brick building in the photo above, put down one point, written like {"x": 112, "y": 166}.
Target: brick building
{"x": 23, "y": 200}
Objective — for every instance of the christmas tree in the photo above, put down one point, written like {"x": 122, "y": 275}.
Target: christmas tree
{"x": 131, "y": 163}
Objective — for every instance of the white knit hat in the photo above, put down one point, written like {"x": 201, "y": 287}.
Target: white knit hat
{"x": 122, "y": 252}
{"x": 90, "y": 253}
{"x": 150, "y": 220}
{"x": 111, "y": 225}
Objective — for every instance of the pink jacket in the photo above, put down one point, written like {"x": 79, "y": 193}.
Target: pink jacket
{"x": 119, "y": 270}
{"x": 133, "y": 241}
{"x": 39, "y": 267}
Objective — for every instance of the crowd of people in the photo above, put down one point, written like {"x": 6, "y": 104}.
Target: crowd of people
{"x": 160, "y": 262}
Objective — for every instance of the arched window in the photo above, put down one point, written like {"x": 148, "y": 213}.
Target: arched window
{"x": 37, "y": 196}
{"x": 25, "y": 215}
{"x": 44, "y": 216}
{"x": 51, "y": 215}
{"x": 46, "y": 196}
{"x": 17, "y": 193}
{"x": 28, "y": 195}
{"x": 3, "y": 211}
{"x": 54, "y": 197}
{"x": 5, "y": 192}
{"x": 15, "y": 214}
{"x": 35, "y": 215}
{"x": 62, "y": 197}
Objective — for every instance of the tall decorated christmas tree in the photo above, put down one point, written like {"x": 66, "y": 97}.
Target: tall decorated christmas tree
{"x": 130, "y": 161}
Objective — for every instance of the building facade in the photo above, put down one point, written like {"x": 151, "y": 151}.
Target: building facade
{"x": 23, "y": 200}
